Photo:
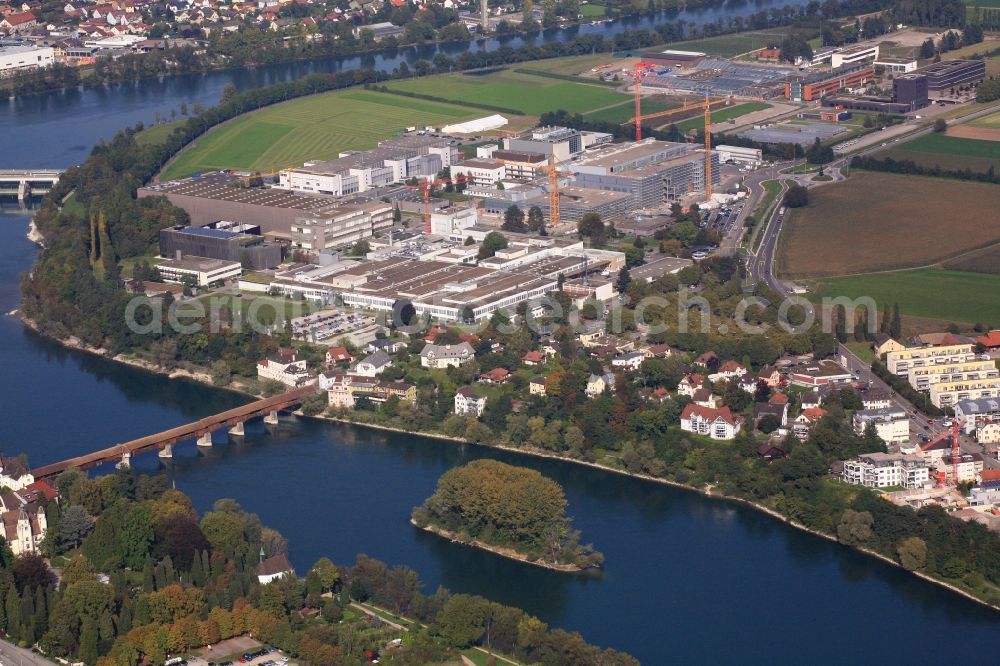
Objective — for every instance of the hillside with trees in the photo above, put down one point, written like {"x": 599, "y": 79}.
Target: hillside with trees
{"x": 492, "y": 503}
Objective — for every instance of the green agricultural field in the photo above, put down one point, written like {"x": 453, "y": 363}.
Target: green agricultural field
{"x": 625, "y": 111}
{"x": 592, "y": 11}
{"x": 926, "y": 292}
{"x": 157, "y": 133}
{"x": 722, "y": 115}
{"x": 993, "y": 120}
{"x": 533, "y": 95}
{"x": 315, "y": 127}
{"x": 949, "y": 152}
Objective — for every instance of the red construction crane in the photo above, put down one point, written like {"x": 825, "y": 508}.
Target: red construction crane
{"x": 956, "y": 452}
{"x": 640, "y": 70}
{"x": 426, "y": 187}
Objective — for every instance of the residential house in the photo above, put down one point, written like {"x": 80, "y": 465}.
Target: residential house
{"x": 762, "y": 409}
{"x": 728, "y": 371}
{"x": 689, "y": 384}
{"x": 337, "y": 355}
{"x": 778, "y": 398}
{"x": 630, "y": 361}
{"x": 273, "y": 568}
{"x": 537, "y": 386}
{"x": 533, "y": 358}
{"x": 990, "y": 341}
{"x": 814, "y": 398}
{"x": 469, "y": 402}
{"x": 495, "y": 376}
{"x": 388, "y": 346}
{"x": 286, "y": 367}
{"x": 770, "y": 376}
{"x": 707, "y": 360}
{"x": 705, "y": 398}
{"x": 770, "y": 451}
{"x": 876, "y": 399}
{"x": 748, "y": 382}
{"x": 443, "y": 356}
{"x": 988, "y": 433}
{"x": 24, "y": 520}
{"x": 19, "y": 23}
{"x": 596, "y": 384}
{"x": 659, "y": 351}
{"x": 716, "y": 423}
{"x": 883, "y": 344}
{"x": 14, "y": 473}
{"x": 805, "y": 421}
{"x": 343, "y": 390}
{"x": 373, "y": 365}
{"x": 974, "y": 413}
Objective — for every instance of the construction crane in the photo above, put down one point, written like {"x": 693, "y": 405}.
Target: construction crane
{"x": 426, "y": 188}
{"x": 553, "y": 172}
{"x": 708, "y": 149}
{"x": 951, "y": 433}
{"x": 641, "y": 68}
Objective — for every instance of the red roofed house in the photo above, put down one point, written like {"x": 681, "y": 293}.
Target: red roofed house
{"x": 22, "y": 22}
{"x": 806, "y": 420}
{"x": 495, "y": 376}
{"x": 533, "y": 358}
{"x": 338, "y": 355}
{"x": 991, "y": 340}
{"x": 778, "y": 399}
{"x": 716, "y": 423}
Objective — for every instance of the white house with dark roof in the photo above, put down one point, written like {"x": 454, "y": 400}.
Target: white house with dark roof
{"x": 443, "y": 356}
{"x": 716, "y": 423}
{"x": 468, "y": 402}
{"x": 373, "y": 365}
{"x": 14, "y": 473}
{"x": 24, "y": 522}
{"x": 272, "y": 568}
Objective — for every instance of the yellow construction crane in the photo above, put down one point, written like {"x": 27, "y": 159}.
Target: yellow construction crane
{"x": 553, "y": 171}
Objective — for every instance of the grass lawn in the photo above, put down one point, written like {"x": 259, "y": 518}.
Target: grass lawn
{"x": 533, "y": 95}
{"x": 624, "y": 111}
{"x": 157, "y": 133}
{"x": 592, "y": 11}
{"x": 315, "y": 127}
{"x": 926, "y": 292}
{"x": 992, "y": 120}
{"x": 480, "y": 658}
{"x": 722, "y": 115}
{"x": 880, "y": 221}
{"x": 573, "y": 65}
{"x": 862, "y": 350}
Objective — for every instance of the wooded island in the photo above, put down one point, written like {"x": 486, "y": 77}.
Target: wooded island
{"x": 512, "y": 511}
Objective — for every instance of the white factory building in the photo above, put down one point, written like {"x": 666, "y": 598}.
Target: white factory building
{"x": 17, "y": 57}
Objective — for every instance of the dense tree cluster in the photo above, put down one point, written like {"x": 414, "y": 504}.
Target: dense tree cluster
{"x": 507, "y": 506}
{"x": 893, "y": 165}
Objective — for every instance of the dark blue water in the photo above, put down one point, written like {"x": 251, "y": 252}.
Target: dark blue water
{"x": 688, "y": 579}
{"x": 59, "y": 129}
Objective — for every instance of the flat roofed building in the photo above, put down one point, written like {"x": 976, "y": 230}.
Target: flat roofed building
{"x": 946, "y": 394}
{"x": 897, "y": 65}
{"x": 249, "y": 249}
{"x": 480, "y": 171}
{"x": 923, "y": 378}
{"x": 204, "y": 271}
{"x": 883, "y": 470}
{"x": 853, "y": 55}
{"x": 892, "y": 425}
{"x": 902, "y": 361}
{"x": 19, "y": 57}
{"x": 652, "y": 172}
{"x": 521, "y": 165}
{"x": 947, "y": 74}
{"x": 344, "y": 225}
{"x": 815, "y": 86}
{"x": 559, "y": 142}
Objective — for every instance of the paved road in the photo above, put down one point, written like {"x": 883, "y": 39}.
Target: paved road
{"x": 12, "y": 655}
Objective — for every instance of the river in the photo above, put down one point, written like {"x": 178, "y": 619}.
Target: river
{"x": 688, "y": 579}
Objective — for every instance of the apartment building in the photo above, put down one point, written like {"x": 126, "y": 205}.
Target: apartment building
{"x": 716, "y": 423}
{"x": 286, "y": 367}
{"x": 884, "y": 470}
{"x": 902, "y": 361}
{"x": 891, "y": 425}
{"x": 922, "y": 378}
{"x": 946, "y": 394}
{"x": 469, "y": 402}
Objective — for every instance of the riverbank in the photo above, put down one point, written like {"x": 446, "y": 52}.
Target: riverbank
{"x": 509, "y": 553}
{"x": 707, "y": 491}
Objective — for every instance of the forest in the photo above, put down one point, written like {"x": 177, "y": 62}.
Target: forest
{"x": 507, "y": 506}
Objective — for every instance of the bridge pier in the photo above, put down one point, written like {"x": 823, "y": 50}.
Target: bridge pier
{"x": 205, "y": 440}
{"x": 271, "y": 418}
{"x": 23, "y": 190}
{"x": 167, "y": 451}
{"x": 237, "y": 430}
